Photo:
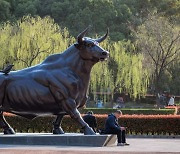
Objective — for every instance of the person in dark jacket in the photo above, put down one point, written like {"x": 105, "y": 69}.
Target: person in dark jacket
{"x": 112, "y": 127}
{"x": 90, "y": 119}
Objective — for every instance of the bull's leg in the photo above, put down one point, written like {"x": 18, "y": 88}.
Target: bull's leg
{"x": 69, "y": 106}
{"x": 6, "y": 127}
{"x": 2, "y": 90}
{"x": 57, "y": 125}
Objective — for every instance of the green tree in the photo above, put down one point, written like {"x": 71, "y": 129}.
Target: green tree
{"x": 4, "y": 10}
{"x": 118, "y": 15}
{"x": 123, "y": 72}
{"x": 24, "y": 7}
{"x": 31, "y": 40}
{"x": 173, "y": 73}
{"x": 158, "y": 40}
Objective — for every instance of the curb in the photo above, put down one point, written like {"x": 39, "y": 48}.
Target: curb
{"x": 154, "y": 136}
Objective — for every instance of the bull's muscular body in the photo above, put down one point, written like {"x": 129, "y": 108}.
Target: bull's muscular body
{"x": 57, "y": 86}
{"x": 41, "y": 89}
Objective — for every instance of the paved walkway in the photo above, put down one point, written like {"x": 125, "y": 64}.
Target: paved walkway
{"x": 137, "y": 146}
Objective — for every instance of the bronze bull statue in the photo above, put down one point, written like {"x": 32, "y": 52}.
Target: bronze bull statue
{"x": 57, "y": 86}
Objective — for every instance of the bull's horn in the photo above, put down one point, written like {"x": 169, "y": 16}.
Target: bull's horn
{"x": 81, "y": 35}
{"x": 99, "y": 40}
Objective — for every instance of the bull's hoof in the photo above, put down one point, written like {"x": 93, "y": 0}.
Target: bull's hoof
{"x": 9, "y": 131}
{"x": 89, "y": 131}
{"x": 58, "y": 131}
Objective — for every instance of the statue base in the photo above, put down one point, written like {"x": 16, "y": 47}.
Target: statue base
{"x": 69, "y": 139}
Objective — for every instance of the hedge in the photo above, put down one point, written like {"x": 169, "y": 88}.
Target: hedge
{"x": 130, "y": 111}
{"x": 147, "y": 124}
{"x": 136, "y": 124}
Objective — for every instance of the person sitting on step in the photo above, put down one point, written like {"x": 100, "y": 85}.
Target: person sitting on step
{"x": 112, "y": 127}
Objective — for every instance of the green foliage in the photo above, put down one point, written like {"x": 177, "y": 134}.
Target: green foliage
{"x": 130, "y": 111}
{"x": 122, "y": 73}
{"x": 4, "y": 10}
{"x": 173, "y": 74}
{"x": 31, "y": 40}
{"x": 118, "y": 15}
{"x": 24, "y": 7}
{"x": 158, "y": 40}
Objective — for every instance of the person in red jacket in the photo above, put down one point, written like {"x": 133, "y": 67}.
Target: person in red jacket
{"x": 112, "y": 127}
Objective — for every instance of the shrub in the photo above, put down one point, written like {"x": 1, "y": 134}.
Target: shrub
{"x": 176, "y": 108}
{"x": 138, "y": 124}
{"x": 130, "y": 111}
{"x": 147, "y": 124}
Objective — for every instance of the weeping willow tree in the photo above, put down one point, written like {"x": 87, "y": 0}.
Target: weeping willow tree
{"x": 123, "y": 72}
{"x": 30, "y": 40}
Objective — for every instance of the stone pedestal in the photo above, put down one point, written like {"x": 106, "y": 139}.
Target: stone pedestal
{"x": 70, "y": 139}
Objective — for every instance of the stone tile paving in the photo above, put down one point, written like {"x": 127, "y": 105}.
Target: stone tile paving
{"x": 137, "y": 146}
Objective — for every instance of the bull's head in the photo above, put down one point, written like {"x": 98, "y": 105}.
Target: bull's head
{"x": 90, "y": 49}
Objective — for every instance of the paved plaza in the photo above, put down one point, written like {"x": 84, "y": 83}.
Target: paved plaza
{"x": 137, "y": 146}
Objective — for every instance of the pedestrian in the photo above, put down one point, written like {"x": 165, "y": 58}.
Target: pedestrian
{"x": 112, "y": 127}
{"x": 161, "y": 102}
{"x": 171, "y": 101}
{"x": 90, "y": 119}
